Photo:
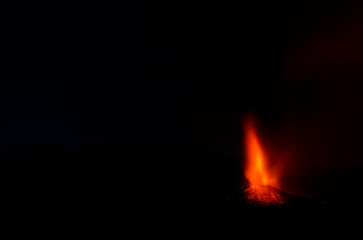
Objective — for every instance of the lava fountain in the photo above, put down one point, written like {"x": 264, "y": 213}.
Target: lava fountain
{"x": 260, "y": 190}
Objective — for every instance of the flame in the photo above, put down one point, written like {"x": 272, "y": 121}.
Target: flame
{"x": 258, "y": 172}
{"x": 256, "y": 162}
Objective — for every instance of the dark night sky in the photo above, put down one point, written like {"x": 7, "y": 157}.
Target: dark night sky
{"x": 110, "y": 89}
{"x": 139, "y": 74}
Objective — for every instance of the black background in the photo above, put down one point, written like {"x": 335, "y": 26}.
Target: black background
{"x": 108, "y": 107}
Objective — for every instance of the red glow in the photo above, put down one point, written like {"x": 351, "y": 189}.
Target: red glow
{"x": 258, "y": 172}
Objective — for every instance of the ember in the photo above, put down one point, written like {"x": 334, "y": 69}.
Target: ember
{"x": 260, "y": 195}
{"x": 259, "y": 191}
